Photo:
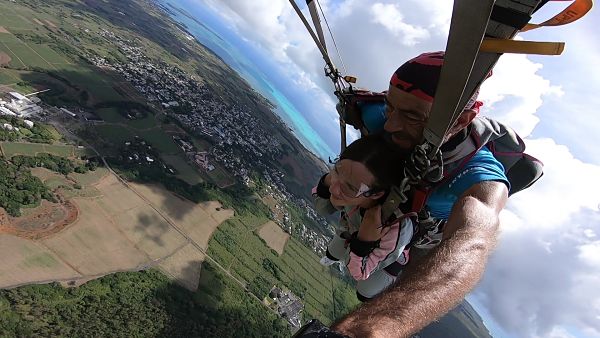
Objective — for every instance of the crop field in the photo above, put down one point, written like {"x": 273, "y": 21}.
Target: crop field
{"x": 118, "y": 229}
{"x": 7, "y": 78}
{"x": 48, "y": 54}
{"x": 89, "y": 178}
{"x": 274, "y": 236}
{"x": 94, "y": 245}
{"x": 185, "y": 265}
{"x": 25, "y": 261}
{"x": 10, "y": 149}
{"x": 237, "y": 245}
{"x": 198, "y": 221}
{"x": 27, "y": 55}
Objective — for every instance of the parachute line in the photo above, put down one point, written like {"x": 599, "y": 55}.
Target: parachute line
{"x": 332, "y": 38}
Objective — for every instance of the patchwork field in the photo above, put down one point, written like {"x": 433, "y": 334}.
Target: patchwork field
{"x": 185, "y": 266}
{"x": 10, "y": 149}
{"x": 274, "y": 236}
{"x": 22, "y": 259}
{"x": 198, "y": 221}
{"x": 120, "y": 228}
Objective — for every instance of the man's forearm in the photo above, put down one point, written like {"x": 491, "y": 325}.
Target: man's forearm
{"x": 431, "y": 288}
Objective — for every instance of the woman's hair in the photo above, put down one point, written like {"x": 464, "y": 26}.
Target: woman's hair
{"x": 381, "y": 159}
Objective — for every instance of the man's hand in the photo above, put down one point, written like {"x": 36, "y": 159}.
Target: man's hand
{"x": 428, "y": 290}
{"x": 370, "y": 227}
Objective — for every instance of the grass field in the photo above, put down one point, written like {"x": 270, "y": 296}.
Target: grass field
{"x": 48, "y": 54}
{"x": 274, "y": 236}
{"x": 10, "y": 149}
{"x": 15, "y": 62}
{"x": 184, "y": 170}
{"x": 144, "y": 123}
{"x": 27, "y": 55}
{"x": 114, "y": 134}
{"x": 24, "y": 261}
{"x": 110, "y": 115}
{"x": 160, "y": 140}
{"x": 7, "y": 78}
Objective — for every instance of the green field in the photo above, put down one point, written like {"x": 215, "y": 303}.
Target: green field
{"x": 184, "y": 170}
{"x": 236, "y": 245}
{"x": 110, "y": 115}
{"x": 10, "y": 149}
{"x": 89, "y": 178}
{"x": 6, "y": 77}
{"x": 117, "y": 135}
{"x": 8, "y": 37}
{"x": 47, "y": 53}
{"x": 27, "y": 55}
{"x": 160, "y": 140}
{"x": 10, "y": 20}
{"x": 14, "y": 62}
{"x": 143, "y": 123}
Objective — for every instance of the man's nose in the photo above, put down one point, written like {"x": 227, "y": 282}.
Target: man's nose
{"x": 394, "y": 123}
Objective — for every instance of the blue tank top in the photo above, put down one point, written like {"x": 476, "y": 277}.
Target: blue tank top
{"x": 482, "y": 167}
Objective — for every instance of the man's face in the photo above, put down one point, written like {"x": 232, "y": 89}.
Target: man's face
{"x": 407, "y": 116}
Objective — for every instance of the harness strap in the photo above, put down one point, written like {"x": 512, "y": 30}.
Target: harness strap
{"x": 491, "y": 45}
{"x": 574, "y": 12}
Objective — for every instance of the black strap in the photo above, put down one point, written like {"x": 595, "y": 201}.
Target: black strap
{"x": 509, "y": 17}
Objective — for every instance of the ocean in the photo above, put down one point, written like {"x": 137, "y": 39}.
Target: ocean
{"x": 213, "y": 33}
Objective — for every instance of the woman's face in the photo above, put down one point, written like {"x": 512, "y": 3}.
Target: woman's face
{"x": 350, "y": 180}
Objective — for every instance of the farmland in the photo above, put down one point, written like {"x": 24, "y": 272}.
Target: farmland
{"x": 122, "y": 228}
{"x": 237, "y": 245}
{"x": 274, "y": 236}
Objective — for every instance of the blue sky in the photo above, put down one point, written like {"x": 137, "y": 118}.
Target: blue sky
{"x": 542, "y": 280}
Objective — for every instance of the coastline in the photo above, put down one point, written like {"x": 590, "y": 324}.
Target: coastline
{"x": 280, "y": 106}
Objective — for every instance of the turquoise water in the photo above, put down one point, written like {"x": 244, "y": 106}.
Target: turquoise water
{"x": 237, "y": 53}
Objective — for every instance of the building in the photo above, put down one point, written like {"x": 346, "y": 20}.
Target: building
{"x": 19, "y": 105}
{"x": 68, "y": 112}
{"x": 6, "y": 111}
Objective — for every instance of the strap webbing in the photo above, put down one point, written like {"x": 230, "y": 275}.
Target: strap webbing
{"x": 467, "y": 28}
{"x": 491, "y": 45}
{"x": 574, "y": 12}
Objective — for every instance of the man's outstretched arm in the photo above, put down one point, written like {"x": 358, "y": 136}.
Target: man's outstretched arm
{"x": 432, "y": 287}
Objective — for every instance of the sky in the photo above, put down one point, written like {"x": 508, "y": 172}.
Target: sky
{"x": 542, "y": 280}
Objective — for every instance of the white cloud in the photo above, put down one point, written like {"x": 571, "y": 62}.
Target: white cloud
{"x": 568, "y": 185}
{"x": 515, "y": 91}
{"x": 390, "y": 17}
